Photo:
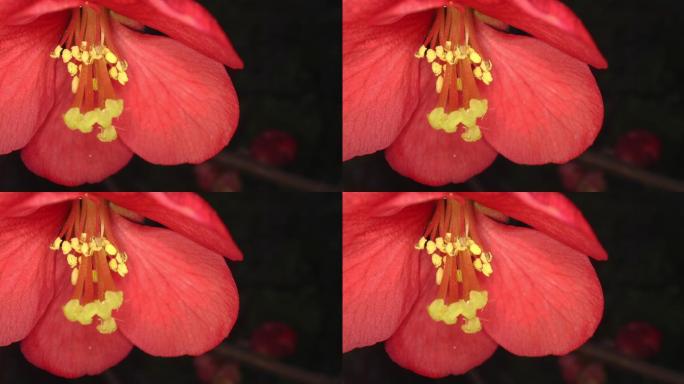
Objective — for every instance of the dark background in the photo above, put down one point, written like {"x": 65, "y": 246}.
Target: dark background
{"x": 641, "y": 90}
{"x": 290, "y": 274}
{"x": 291, "y": 82}
{"x": 641, "y": 281}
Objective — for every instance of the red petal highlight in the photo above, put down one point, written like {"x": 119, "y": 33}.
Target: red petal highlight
{"x": 434, "y": 349}
{"x": 26, "y": 270}
{"x": 557, "y": 110}
{"x": 182, "y": 212}
{"x": 194, "y": 111}
{"x": 434, "y": 157}
{"x": 548, "y": 20}
{"x": 401, "y": 200}
{"x": 14, "y": 204}
{"x": 183, "y": 20}
{"x": 21, "y": 12}
{"x": 380, "y": 82}
{"x": 27, "y": 78}
{"x": 545, "y": 297}
{"x": 179, "y": 298}
{"x": 70, "y": 349}
{"x": 379, "y": 272}
{"x": 548, "y": 212}
{"x": 67, "y": 157}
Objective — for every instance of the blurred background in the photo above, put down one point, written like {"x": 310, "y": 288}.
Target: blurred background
{"x": 644, "y": 307}
{"x": 289, "y": 132}
{"x": 640, "y": 144}
{"x": 289, "y": 325}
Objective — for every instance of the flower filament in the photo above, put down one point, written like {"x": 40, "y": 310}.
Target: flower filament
{"x": 451, "y": 242}
{"x": 93, "y": 256}
{"x": 93, "y": 63}
{"x": 457, "y": 63}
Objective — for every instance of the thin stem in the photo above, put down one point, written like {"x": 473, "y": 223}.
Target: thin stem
{"x": 276, "y": 368}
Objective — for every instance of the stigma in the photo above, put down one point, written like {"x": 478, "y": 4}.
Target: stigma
{"x": 453, "y": 246}
{"x": 95, "y": 258}
{"x": 455, "y": 58}
{"x": 94, "y": 65}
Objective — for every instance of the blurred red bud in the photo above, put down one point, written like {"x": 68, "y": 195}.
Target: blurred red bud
{"x": 228, "y": 373}
{"x": 639, "y": 147}
{"x": 576, "y": 178}
{"x": 211, "y": 178}
{"x": 274, "y": 339}
{"x": 639, "y": 339}
{"x": 593, "y": 373}
{"x": 274, "y": 147}
{"x": 205, "y": 367}
{"x": 570, "y": 366}
{"x": 576, "y": 370}
{"x": 570, "y": 174}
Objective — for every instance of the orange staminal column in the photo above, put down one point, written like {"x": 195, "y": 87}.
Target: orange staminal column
{"x": 455, "y": 58}
{"x": 94, "y": 257}
{"x": 456, "y": 252}
{"x": 93, "y": 62}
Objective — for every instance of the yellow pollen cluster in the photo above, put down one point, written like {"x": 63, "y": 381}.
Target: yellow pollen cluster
{"x": 448, "y": 249}
{"x": 89, "y": 64}
{"x": 76, "y": 250}
{"x": 467, "y": 117}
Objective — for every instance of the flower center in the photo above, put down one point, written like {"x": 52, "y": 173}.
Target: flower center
{"x": 455, "y": 58}
{"x": 450, "y": 240}
{"x": 93, "y": 63}
{"x": 92, "y": 253}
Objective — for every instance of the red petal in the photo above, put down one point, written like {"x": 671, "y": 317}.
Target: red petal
{"x": 182, "y": 212}
{"x": 70, "y": 349}
{"x": 69, "y": 157}
{"x": 179, "y": 298}
{"x": 386, "y": 11}
{"x": 379, "y": 272}
{"x": 548, "y": 212}
{"x": 434, "y": 349}
{"x": 548, "y": 20}
{"x": 557, "y": 110}
{"x": 14, "y": 204}
{"x": 26, "y": 270}
{"x": 361, "y": 10}
{"x": 383, "y": 204}
{"x": 401, "y": 200}
{"x": 433, "y": 157}
{"x": 179, "y": 106}
{"x": 184, "y": 21}
{"x": 27, "y": 78}
{"x": 21, "y": 12}
{"x": 380, "y": 82}
{"x": 544, "y": 298}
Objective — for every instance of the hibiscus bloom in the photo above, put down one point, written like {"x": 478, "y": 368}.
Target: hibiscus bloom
{"x": 443, "y": 279}
{"x": 440, "y": 86}
{"x": 82, "y": 89}
{"x": 82, "y": 280}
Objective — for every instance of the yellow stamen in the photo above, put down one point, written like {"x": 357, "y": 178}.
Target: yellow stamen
{"x": 455, "y": 59}
{"x": 93, "y": 258}
{"x": 456, "y": 252}
{"x": 90, "y": 57}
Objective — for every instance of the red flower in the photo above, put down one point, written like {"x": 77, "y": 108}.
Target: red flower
{"x": 82, "y": 281}
{"x": 75, "y": 65}
{"x": 414, "y": 68}
{"x": 443, "y": 280}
